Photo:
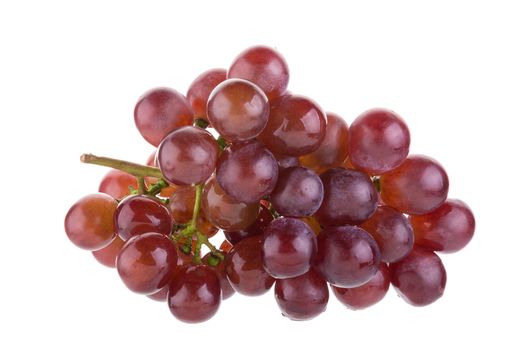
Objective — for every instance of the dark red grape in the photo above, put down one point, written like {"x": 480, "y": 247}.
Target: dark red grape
{"x": 257, "y": 228}
{"x": 220, "y": 270}
{"x": 187, "y": 156}
{"x": 368, "y": 294}
{"x": 420, "y": 277}
{"x": 160, "y": 111}
{"x": 296, "y": 126}
{"x": 347, "y": 256}
{"x": 244, "y": 267}
{"x": 89, "y": 222}
{"x": 161, "y": 295}
{"x": 117, "y": 184}
{"x": 418, "y": 186}
{"x": 333, "y": 150}
{"x": 146, "y": 262}
{"x": 447, "y": 229}
{"x": 201, "y": 88}
{"x": 139, "y": 214}
{"x": 238, "y": 110}
{"x": 107, "y": 256}
{"x": 225, "y": 212}
{"x": 303, "y": 297}
{"x": 195, "y": 294}
{"x": 289, "y": 246}
{"x": 247, "y": 172}
{"x": 349, "y": 197}
{"x": 378, "y": 141}
{"x": 298, "y": 193}
{"x": 264, "y": 67}
{"x": 392, "y": 232}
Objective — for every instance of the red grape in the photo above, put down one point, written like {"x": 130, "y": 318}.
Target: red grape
{"x": 89, "y": 222}
{"x": 420, "y": 277}
{"x": 201, "y": 88}
{"x": 247, "y": 172}
{"x": 313, "y": 223}
{"x": 296, "y": 126}
{"x": 256, "y": 228}
{"x": 160, "y": 111}
{"x": 195, "y": 294}
{"x": 378, "y": 141}
{"x": 107, "y": 256}
{"x": 303, "y": 297}
{"x": 418, "y": 186}
{"x": 220, "y": 270}
{"x": 392, "y": 232}
{"x": 349, "y": 197}
{"x": 146, "y": 262}
{"x": 289, "y": 246}
{"x": 238, "y": 110}
{"x": 244, "y": 267}
{"x": 347, "y": 256}
{"x": 264, "y": 67}
{"x": 298, "y": 193}
{"x": 225, "y": 212}
{"x": 161, "y": 295}
{"x": 226, "y": 246}
{"x": 333, "y": 150}
{"x": 139, "y": 214}
{"x": 447, "y": 229}
{"x": 117, "y": 183}
{"x": 368, "y": 294}
{"x": 187, "y": 156}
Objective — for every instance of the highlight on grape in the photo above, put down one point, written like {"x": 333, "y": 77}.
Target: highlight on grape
{"x": 306, "y": 203}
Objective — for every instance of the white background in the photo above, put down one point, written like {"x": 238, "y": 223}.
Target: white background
{"x": 70, "y": 73}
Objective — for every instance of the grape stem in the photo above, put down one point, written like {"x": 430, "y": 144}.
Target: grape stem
{"x": 134, "y": 169}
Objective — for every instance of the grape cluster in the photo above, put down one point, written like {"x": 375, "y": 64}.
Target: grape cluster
{"x": 304, "y": 201}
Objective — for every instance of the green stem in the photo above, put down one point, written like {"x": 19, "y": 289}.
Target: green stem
{"x": 142, "y": 186}
{"x": 197, "y": 205}
{"x": 128, "y": 167}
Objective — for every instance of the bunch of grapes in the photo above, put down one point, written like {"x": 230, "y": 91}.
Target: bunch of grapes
{"x": 304, "y": 201}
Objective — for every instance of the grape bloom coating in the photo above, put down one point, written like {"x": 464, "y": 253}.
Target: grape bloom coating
{"x": 308, "y": 202}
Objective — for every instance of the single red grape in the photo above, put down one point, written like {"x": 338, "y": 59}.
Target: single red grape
{"x": 264, "y": 67}
{"x": 296, "y": 126}
{"x": 289, "y": 246}
{"x": 303, "y": 297}
{"x": 392, "y": 232}
{"x": 368, "y": 294}
{"x": 89, "y": 222}
{"x": 244, "y": 267}
{"x": 298, "y": 192}
{"x": 378, "y": 141}
{"x": 420, "y": 277}
{"x": 349, "y": 197}
{"x": 418, "y": 186}
{"x": 347, "y": 256}
{"x": 160, "y": 111}
{"x": 201, "y": 88}
{"x": 195, "y": 294}
{"x": 187, "y": 156}
{"x": 238, "y": 110}
{"x": 139, "y": 214}
{"x": 333, "y": 150}
{"x": 107, "y": 256}
{"x": 256, "y": 228}
{"x": 247, "y": 172}
{"x": 146, "y": 262}
{"x": 117, "y": 184}
{"x": 447, "y": 229}
{"x": 225, "y": 212}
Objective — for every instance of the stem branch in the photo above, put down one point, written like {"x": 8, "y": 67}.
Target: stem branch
{"x": 128, "y": 167}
